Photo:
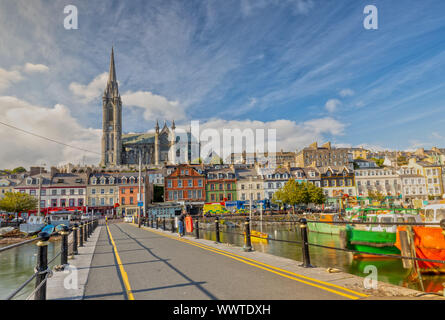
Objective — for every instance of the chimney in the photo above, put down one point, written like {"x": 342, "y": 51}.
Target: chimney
{"x": 314, "y": 145}
{"x": 53, "y": 171}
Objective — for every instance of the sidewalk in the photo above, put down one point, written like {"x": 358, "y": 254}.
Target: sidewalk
{"x": 61, "y": 286}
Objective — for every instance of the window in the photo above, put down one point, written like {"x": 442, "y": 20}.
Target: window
{"x": 63, "y": 192}
{"x": 258, "y": 196}
{"x": 32, "y": 192}
{"x": 63, "y": 202}
{"x": 72, "y": 203}
{"x": 221, "y": 197}
{"x": 179, "y": 183}
{"x": 200, "y": 183}
{"x": 102, "y": 201}
{"x": 42, "y": 204}
{"x": 102, "y": 191}
{"x": 190, "y": 183}
{"x": 212, "y": 186}
{"x": 229, "y": 186}
{"x": 43, "y": 192}
{"x": 93, "y": 191}
{"x": 242, "y": 187}
{"x": 53, "y": 202}
{"x": 80, "y": 191}
{"x": 220, "y": 186}
{"x": 123, "y": 201}
{"x": 131, "y": 190}
{"x": 199, "y": 194}
{"x": 169, "y": 183}
{"x": 111, "y": 191}
{"x": 212, "y": 197}
{"x": 131, "y": 200}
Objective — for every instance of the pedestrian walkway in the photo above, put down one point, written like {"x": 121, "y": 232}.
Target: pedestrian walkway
{"x": 133, "y": 263}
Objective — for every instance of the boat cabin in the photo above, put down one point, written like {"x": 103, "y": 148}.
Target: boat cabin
{"x": 388, "y": 218}
{"x": 434, "y": 212}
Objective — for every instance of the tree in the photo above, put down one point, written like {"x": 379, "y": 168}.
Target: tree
{"x": 19, "y": 170}
{"x": 294, "y": 193}
{"x": 378, "y": 196}
{"x": 378, "y": 162}
{"x": 17, "y": 202}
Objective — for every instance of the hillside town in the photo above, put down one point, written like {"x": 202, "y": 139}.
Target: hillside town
{"x": 347, "y": 176}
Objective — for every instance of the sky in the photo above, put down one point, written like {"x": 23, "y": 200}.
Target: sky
{"x": 307, "y": 68}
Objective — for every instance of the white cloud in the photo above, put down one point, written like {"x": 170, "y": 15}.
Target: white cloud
{"x": 33, "y": 68}
{"x": 332, "y": 105}
{"x": 9, "y": 77}
{"x": 290, "y": 135}
{"x": 55, "y": 123}
{"x": 360, "y": 104}
{"x": 155, "y": 106}
{"x": 347, "y": 93}
{"x": 92, "y": 90}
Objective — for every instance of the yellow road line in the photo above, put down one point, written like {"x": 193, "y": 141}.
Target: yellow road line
{"x": 269, "y": 268}
{"x": 121, "y": 267}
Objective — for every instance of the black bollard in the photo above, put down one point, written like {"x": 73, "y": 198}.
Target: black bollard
{"x": 197, "y": 228}
{"x": 247, "y": 240}
{"x": 163, "y": 223}
{"x": 64, "y": 249}
{"x": 85, "y": 227}
{"x": 217, "y": 230}
{"x": 305, "y": 248}
{"x": 151, "y": 221}
{"x": 42, "y": 266}
{"x": 157, "y": 223}
{"x": 81, "y": 234}
{"x": 75, "y": 239}
{"x": 173, "y": 225}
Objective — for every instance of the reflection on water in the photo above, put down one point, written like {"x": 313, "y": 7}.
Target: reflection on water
{"x": 389, "y": 270}
{"x": 17, "y": 265}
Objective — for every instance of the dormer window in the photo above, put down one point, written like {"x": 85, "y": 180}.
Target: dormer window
{"x": 94, "y": 181}
{"x": 102, "y": 181}
{"x": 28, "y": 181}
{"x": 111, "y": 180}
{"x": 132, "y": 180}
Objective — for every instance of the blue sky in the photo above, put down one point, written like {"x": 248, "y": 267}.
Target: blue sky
{"x": 307, "y": 67}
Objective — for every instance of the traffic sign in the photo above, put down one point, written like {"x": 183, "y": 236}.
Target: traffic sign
{"x": 140, "y": 204}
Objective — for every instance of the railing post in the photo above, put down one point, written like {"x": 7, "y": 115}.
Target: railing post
{"x": 163, "y": 223}
{"x": 85, "y": 227}
{"x": 173, "y": 225}
{"x": 42, "y": 266}
{"x": 197, "y": 228}
{"x": 81, "y": 234}
{"x": 305, "y": 247}
{"x": 75, "y": 239}
{"x": 217, "y": 230}
{"x": 247, "y": 240}
{"x": 151, "y": 221}
{"x": 157, "y": 222}
{"x": 64, "y": 249}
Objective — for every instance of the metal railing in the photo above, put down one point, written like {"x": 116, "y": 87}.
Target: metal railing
{"x": 81, "y": 232}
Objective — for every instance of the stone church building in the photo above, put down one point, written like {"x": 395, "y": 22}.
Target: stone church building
{"x": 162, "y": 147}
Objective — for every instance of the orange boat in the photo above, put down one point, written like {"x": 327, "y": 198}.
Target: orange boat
{"x": 429, "y": 241}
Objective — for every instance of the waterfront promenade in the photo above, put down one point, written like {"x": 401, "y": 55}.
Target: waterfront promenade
{"x": 132, "y": 263}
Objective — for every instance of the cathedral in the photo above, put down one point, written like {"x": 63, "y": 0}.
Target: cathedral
{"x": 162, "y": 147}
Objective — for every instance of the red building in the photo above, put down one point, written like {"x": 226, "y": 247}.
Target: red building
{"x": 186, "y": 183}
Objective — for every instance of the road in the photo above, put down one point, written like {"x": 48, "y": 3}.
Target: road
{"x": 133, "y": 263}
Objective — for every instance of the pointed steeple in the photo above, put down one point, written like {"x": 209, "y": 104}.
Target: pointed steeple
{"x": 157, "y": 126}
{"x": 173, "y": 125}
{"x": 112, "y": 73}
{"x": 112, "y": 89}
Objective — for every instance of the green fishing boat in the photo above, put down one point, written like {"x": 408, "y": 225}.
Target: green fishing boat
{"x": 327, "y": 224}
{"x": 377, "y": 238}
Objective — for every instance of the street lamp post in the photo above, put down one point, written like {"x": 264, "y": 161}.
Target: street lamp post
{"x": 40, "y": 190}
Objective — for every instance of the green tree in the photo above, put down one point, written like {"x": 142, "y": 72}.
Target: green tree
{"x": 294, "y": 193}
{"x": 19, "y": 170}
{"x": 377, "y": 196}
{"x": 17, "y": 202}
{"x": 378, "y": 162}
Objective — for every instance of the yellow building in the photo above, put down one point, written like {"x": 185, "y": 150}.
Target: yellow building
{"x": 360, "y": 153}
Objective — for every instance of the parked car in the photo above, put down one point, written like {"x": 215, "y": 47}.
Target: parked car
{"x": 128, "y": 219}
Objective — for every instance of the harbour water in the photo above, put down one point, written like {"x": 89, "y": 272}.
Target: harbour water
{"x": 17, "y": 265}
{"x": 389, "y": 270}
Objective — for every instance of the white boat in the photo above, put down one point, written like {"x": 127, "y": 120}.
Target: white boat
{"x": 33, "y": 225}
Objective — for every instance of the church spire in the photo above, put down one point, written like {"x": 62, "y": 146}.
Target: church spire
{"x": 112, "y": 87}
{"x": 112, "y": 73}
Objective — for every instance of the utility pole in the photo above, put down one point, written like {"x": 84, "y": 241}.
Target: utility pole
{"x": 40, "y": 190}
{"x": 139, "y": 192}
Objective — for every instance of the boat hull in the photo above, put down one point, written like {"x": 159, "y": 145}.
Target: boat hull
{"x": 371, "y": 242}
{"x": 325, "y": 228}
{"x": 429, "y": 243}
{"x": 31, "y": 228}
